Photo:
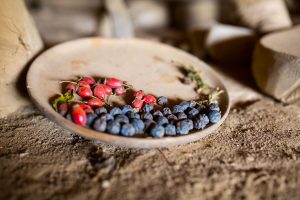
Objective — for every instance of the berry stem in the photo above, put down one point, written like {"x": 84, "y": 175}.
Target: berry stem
{"x": 127, "y": 86}
{"x": 67, "y": 82}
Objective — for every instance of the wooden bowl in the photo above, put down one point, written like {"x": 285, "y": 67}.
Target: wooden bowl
{"x": 150, "y": 66}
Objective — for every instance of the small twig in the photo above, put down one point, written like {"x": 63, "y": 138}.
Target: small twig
{"x": 206, "y": 93}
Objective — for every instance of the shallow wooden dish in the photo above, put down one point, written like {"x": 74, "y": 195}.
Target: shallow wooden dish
{"x": 150, "y": 66}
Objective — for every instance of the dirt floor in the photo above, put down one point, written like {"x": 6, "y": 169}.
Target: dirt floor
{"x": 255, "y": 154}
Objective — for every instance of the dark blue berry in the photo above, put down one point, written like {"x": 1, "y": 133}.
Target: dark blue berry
{"x": 106, "y": 116}
{"x": 214, "y": 106}
{"x": 90, "y": 118}
{"x": 100, "y": 124}
{"x": 181, "y": 115}
{"x": 100, "y": 110}
{"x": 147, "y": 108}
{"x": 184, "y": 105}
{"x": 170, "y": 130}
{"x": 190, "y": 123}
{"x": 138, "y": 125}
{"x": 133, "y": 115}
{"x": 166, "y": 111}
{"x": 172, "y": 117}
{"x": 127, "y": 130}
{"x": 63, "y": 112}
{"x": 191, "y": 112}
{"x": 146, "y": 116}
{"x": 177, "y": 109}
{"x": 214, "y": 116}
{"x": 157, "y": 113}
{"x": 113, "y": 127}
{"x": 161, "y": 120}
{"x": 184, "y": 126}
{"x": 125, "y": 109}
{"x": 200, "y": 121}
{"x": 122, "y": 119}
{"x": 162, "y": 101}
{"x": 157, "y": 131}
{"x": 202, "y": 109}
{"x": 192, "y": 103}
{"x": 69, "y": 117}
{"x": 115, "y": 111}
{"x": 148, "y": 123}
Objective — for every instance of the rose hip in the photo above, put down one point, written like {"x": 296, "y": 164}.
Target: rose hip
{"x": 113, "y": 82}
{"x": 107, "y": 89}
{"x": 137, "y": 103}
{"x": 71, "y": 87}
{"x": 101, "y": 91}
{"x": 95, "y": 103}
{"x": 85, "y": 92}
{"x": 78, "y": 115}
{"x": 89, "y": 80}
{"x": 120, "y": 91}
{"x": 87, "y": 108}
{"x": 149, "y": 99}
{"x": 83, "y": 84}
{"x": 138, "y": 94}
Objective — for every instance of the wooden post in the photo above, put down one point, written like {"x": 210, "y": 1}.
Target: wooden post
{"x": 192, "y": 14}
{"x": 19, "y": 43}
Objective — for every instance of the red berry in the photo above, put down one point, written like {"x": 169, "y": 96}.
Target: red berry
{"x": 78, "y": 115}
{"x": 101, "y": 91}
{"x": 71, "y": 87}
{"x": 138, "y": 94}
{"x": 120, "y": 91}
{"x": 87, "y": 108}
{"x": 107, "y": 89}
{"x": 83, "y": 84}
{"x": 95, "y": 102}
{"x": 63, "y": 109}
{"x": 89, "y": 80}
{"x": 84, "y": 106}
{"x": 137, "y": 103}
{"x": 85, "y": 92}
{"x": 100, "y": 95}
{"x": 113, "y": 82}
{"x": 149, "y": 99}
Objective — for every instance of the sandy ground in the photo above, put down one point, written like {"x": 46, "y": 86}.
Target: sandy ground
{"x": 255, "y": 154}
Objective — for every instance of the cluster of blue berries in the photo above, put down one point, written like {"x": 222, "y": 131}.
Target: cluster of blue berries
{"x": 181, "y": 119}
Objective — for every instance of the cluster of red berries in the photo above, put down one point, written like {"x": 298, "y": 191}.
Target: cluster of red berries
{"x": 88, "y": 88}
{"x": 140, "y": 98}
{"x": 94, "y": 94}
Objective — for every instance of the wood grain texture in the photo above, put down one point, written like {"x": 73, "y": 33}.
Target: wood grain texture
{"x": 276, "y": 65}
{"x": 19, "y": 42}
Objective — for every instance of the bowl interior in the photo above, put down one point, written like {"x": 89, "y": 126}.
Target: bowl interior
{"x": 149, "y": 66}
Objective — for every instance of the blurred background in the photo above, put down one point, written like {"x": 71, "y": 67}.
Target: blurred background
{"x": 202, "y": 27}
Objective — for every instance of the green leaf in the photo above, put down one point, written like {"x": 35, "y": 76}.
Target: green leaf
{"x": 65, "y": 98}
